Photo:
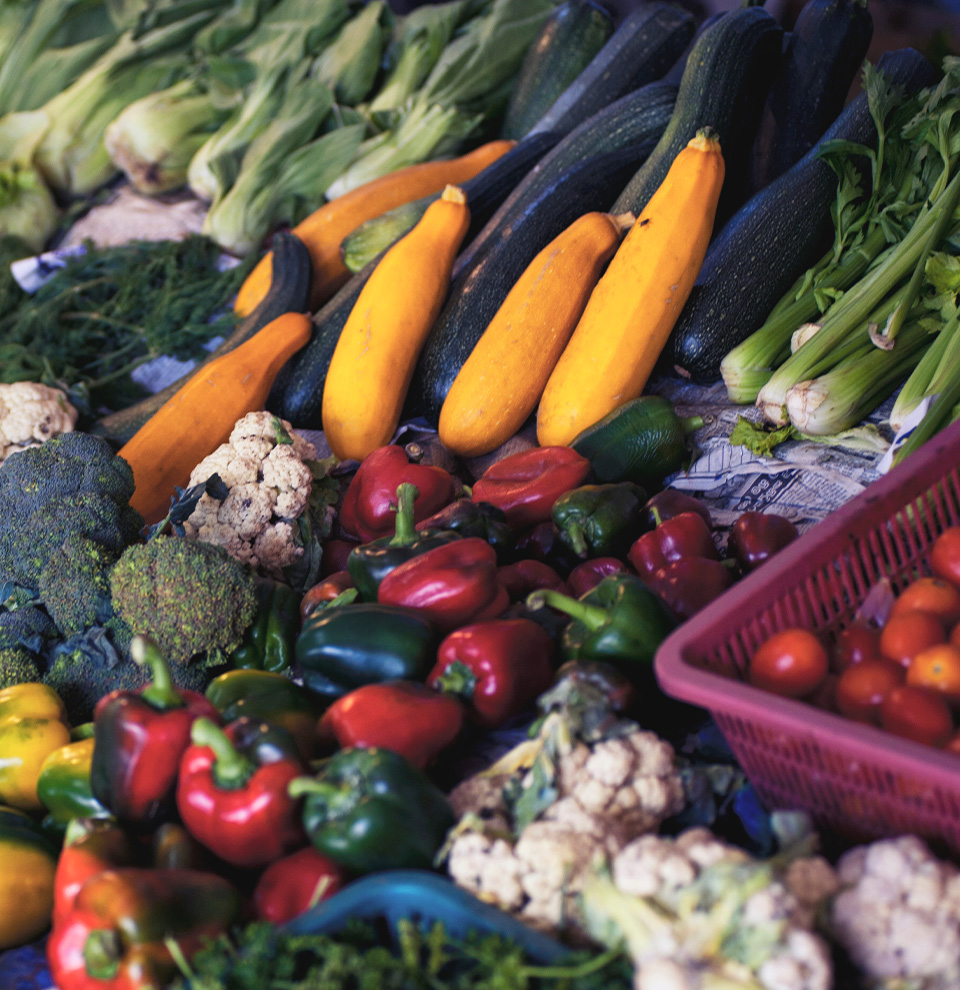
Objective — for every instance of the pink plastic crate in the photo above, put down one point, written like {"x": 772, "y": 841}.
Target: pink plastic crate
{"x": 856, "y": 780}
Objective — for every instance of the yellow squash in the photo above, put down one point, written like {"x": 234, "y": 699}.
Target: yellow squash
{"x": 201, "y": 415}
{"x": 634, "y": 306}
{"x": 326, "y": 227}
{"x": 502, "y": 380}
{"x": 373, "y": 362}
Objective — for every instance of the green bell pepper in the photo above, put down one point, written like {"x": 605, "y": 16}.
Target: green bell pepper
{"x": 371, "y": 562}
{"x": 265, "y": 696}
{"x": 619, "y": 620}
{"x": 64, "y": 785}
{"x": 600, "y": 520}
{"x": 643, "y": 440}
{"x": 268, "y": 643}
{"x": 344, "y": 647}
{"x": 371, "y": 809}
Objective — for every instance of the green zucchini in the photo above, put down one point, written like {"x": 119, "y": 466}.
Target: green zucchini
{"x": 647, "y": 42}
{"x": 724, "y": 86}
{"x": 770, "y": 242}
{"x": 485, "y": 192}
{"x": 289, "y": 292}
{"x": 478, "y": 291}
{"x": 568, "y": 40}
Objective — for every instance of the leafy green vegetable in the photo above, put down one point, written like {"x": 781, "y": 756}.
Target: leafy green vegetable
{"x": 758, "y": 439}
{"x": 111, "y": 309}
{"x": 260, "y": 957}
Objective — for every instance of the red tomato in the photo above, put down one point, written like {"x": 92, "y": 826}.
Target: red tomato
{"x": 856, "y": 643}
{"x": 792, "y": 663}
{"x": 907, "y": 633}
{"x": 945, "y": 555}
{"x": 930, "y": 594}
{"x": 862, "y": 688}
{"x": 917, "y": 713}
{"x": 937, "y": 667}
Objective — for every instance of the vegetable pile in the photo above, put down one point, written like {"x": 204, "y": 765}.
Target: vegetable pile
{"x": 242, "y": 685}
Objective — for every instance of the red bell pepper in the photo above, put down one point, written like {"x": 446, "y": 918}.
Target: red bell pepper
{"x": 405, "y": 717}
{"x": 452, "y": 584}
{"x": 689, "y": 584}
{"x": 292, "y": 885}
{"x": 524, "y": 576}
{"x": 232, "y": 792}
{"x": 119, "y": 932}
{"x": 498, "y": 667}
{"x": 686, "y": 535}
{"x": 139, "y": 737}
{"x": 757, "y": 536}
{"x": 669, "y": 503}
{"x": 526, "y": 484}
{"x": 90, "y": 846}
{"x": 590, "y": 573}
{"x": 334, "y": 556}
{"x": 325, "y": 591}
{"x": 368, "y": 507}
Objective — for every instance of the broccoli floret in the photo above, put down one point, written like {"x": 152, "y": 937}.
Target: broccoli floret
{"x": 191, "y": 598}
{"x": 18, "y": 666}
{"x": 75, "y": 584}
{"x": 70, "y": 484}
{"x": 29, "y": 627}
{"x": 86, "y": 667}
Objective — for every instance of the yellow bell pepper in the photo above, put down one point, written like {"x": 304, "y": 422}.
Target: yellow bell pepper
{"x": 33, "y": 723}
{"x": 28, "y": 864}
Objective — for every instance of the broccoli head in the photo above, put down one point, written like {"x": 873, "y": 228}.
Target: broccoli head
{"x": 191, "y": 598}
{"x": 18, "y": 666}
{"x": 29, "y": 627}
{"x": 86, "y": 667}
{"x": 72, "y": 484}
{"x": 75, "y": 584}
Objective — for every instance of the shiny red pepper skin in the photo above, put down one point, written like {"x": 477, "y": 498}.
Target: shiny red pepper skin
{"x": 324, "y": 592}
{"x": 405, "y": 717}
{"x": 366, "y": 513}
{"x": 669, "y": 503}
{"x": 451, "y": 584}
{"x": 247, "y": 819}
{"x": 293, "y": 884}
{"x": 91, "y": 845}
{"x": 139, "y": 738}
{"x": 526, "y": 484}
{"x": 498, "y": 667}
{"x": 524, "y": 576}
{"x": 757, "y": 536}
{"x": 590, "y": 573}
{"x": 686, "y": 535}
{"x": 689, "y": 584}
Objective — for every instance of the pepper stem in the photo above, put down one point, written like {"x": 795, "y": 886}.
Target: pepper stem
{"x": 160, "y": 693}
{"x": 575, "y": 533}
{"x": 334, "y": 795}
{"x": 405, "y": 526}
{"x": 101, "y": 954}
{"x": 594, "y": 617}
{"x": 457, "y": 678}
{"x": 690, "y": 423}
{"x": 231, "y": 769}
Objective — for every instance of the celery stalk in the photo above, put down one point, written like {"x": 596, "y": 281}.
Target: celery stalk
{"x": 941, "y": 354}
{"x": 842, "y": 397}
{"x": 350, "y": 63}
{"x": 853, "y": 308}
{"x": 27, "y": 209}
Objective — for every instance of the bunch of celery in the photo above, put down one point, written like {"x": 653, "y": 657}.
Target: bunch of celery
{"x": 876, "y": 307}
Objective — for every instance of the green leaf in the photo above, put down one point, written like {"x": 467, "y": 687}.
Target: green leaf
{"x": 758, "y": 440}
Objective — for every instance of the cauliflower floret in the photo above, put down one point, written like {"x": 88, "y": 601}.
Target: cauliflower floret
{"x": 897, "y": 913}
{"x": 487, "y": 868}
{"x": 269, "y": 485}
{"x": 31, "y": 413}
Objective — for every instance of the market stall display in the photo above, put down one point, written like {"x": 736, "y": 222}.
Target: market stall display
{"x": 369, "y": 547}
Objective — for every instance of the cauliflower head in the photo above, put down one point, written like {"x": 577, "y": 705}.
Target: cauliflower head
{"x": 607, "y": 793}
{"x": 264, "y": 467}
{"x": 31, "y": 413}
{"x": 897, "y": 915}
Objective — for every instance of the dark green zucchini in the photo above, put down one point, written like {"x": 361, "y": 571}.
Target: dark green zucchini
{"x": 674, "y": 74}
{"x": 478, "y": 291}
{"x": 289, "y": 292}
{"x": 300, "y": 400}
{"x": 635, "y": 119}
{"x": 724, "y": 86}
{"x": 774, "y": 238}
{"x": 568, "y": 40}
{"x": 485, "y": 192}
{"x": 644, "y": 46}
{"x": 824, "y": 53}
